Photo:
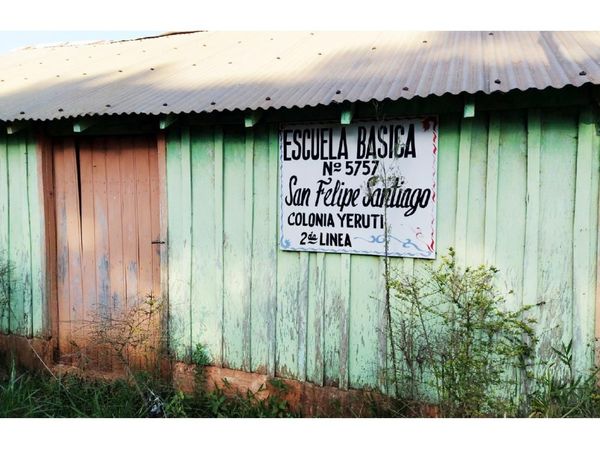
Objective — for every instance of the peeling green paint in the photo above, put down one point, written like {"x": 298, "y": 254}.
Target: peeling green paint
{"x": 320, "y": 314}
{"x": 517, "y": 189}
{"x": 21, "y": 234}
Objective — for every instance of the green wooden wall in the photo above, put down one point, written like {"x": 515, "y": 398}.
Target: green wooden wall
{"x": 21, "y": 235}
{"x": 516, "y": 189}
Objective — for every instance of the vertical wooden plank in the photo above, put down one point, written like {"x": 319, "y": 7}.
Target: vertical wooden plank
{"x": 315, "y": 318}
{"x": 273, "y": 220}
{"x": 101, "y": 241}
{"x": 118, "y": 288}
{"x": 474, "y": 251}
{"x": 345, "y": 278}
{"x": 161, "y": 143}
{"x": 491, "y": 189}
{"x": 129, "y": 230}
{"x": 531, "y": 255}
{"x": 584, "y": 243}
{"x": 288, "y": 276}
{"x": 144, "y": 234}
{"x": 236, "y": 298}
{"x": 363, "y": 320}
{"x": 262, "y": 249}
{"x": 219, "y": 243}
{"x": 157, "y": 334}
{"x": 447, "y": 182}
{"x": 90, "y": 314}
{"x": 532, "y": 212}
{"x": 248, "y": 236}
{"x": 36, "y": 236}
{"x": 201, "y": 190}
{"x": 383, "y": 347}
{"x": 555, "y": 255}
{"x": 335, "y": 316}
{"x": 302, "y": 318}
{"x": 4, "y": 227}
{"x": 48, "y": 224}
{"x": 163, "y": 221}
{"x": 154, "y": 212}
{"x": 511, "y": 206}
{"x": 206, "y": 302}
{"x": 129, "y": 220}
{"x": 19, "y": 247}
{"x": 24, "y": 266}
{"x": 73, "y": 237}
{"x": 144, "y": 219}
{"x": 462, "y": 196}
{"x": 180, "y": 220}
{"x": 62, "y": 250}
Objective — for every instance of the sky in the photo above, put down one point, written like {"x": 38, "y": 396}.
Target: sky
{"x": 313, "y": 15}
{"x": 10, "y": 40}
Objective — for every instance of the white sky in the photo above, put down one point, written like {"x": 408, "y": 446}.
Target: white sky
{"x": 300, "y": 15}
{"x": 10, "y": 40}
{"x": 30, "y": 22}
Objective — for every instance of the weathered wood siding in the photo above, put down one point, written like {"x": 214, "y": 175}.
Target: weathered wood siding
{"x": 22, "y": 235}
{"x": 517, "y": 189}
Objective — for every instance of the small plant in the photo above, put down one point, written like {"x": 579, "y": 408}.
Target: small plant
{"x": 5, "y": 310}
{"x": 455, "y": 342}
{"x": 560, "y": 392}
{"x": 200, "y": 356}
{"x": 175, "y": 407}
{"x": 279, "y": 385}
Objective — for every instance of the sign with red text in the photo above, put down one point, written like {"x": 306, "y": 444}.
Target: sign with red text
{"x": 359, "y": 188}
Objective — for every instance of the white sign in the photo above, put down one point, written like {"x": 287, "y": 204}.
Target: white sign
{"x": 342, "y": 186}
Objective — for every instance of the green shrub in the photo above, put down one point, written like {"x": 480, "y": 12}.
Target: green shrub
{"x": 455, "y": 342}
{"x": 560, "y": 392}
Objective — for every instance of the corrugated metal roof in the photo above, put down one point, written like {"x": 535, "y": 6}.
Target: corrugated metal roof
{"x": 216, "y": 71}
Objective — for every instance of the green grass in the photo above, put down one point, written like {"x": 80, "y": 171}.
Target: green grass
{"x": 28, "y": 395}
{"x": 38, "y": 395}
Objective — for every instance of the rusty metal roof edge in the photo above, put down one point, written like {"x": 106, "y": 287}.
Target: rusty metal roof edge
{"x": 284, "y": 107}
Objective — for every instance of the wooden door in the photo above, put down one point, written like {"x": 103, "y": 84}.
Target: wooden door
{"x": 108, "y": 250}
